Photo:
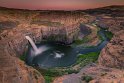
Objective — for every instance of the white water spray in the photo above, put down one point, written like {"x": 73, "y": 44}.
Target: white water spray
{"x": 58, "y": 55}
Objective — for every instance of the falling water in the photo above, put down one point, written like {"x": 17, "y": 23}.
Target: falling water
{"x": 32, "y": 43}
{"x": 36, "y": 50}
{"x": 41, "y": 49}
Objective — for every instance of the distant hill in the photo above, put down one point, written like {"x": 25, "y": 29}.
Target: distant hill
{"x": 119, "y": 7}
{"x": 5, "y": 8}
{"x": 114, "y": 10}
{"x": 106, "y": 7}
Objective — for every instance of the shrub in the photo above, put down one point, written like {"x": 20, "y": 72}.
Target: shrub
{"x": 87, "y": 78}
{"x": 108, "y": 34}
{"x": 48, "y": 79}
{"x": 23, "y": 57}
{"x": 81, "y": 41}
{"x": 92, "y": 56}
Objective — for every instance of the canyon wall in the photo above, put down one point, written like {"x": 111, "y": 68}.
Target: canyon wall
{"x": 113, "y": 54}
{"x": 65, "y": 34}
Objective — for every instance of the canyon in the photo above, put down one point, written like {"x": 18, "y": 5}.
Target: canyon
{"x": 59, "y": 26}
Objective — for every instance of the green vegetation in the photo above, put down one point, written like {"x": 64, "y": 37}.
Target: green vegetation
{"x": 23, "y": 57}
{"x": 46, "y": 23}
{"x": 87, "y": 78}
{"x": 100, "y": 37}
{"x": 70, "y": 71}
{"x": 81, "y": 41}
{"x": 50, "y": 74}
{"x": 108, "y": 34}
{"x": 78, "y": 42}
{"x": 82, "y": 60}
{"x": 48, "y": 79}
{"x": 103, "y": 73}
{"x": 85, "y": 59}
{"x": 57, "y": 72}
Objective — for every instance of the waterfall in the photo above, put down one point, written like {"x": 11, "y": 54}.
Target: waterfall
{"x": 32, "y": 43}
{"x": 36, "y": 50}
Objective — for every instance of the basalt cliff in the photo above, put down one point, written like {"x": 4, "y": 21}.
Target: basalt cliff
{"x": 59, "y": 26}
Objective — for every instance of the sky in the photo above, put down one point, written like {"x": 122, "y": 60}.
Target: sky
{"x": 58, "y": 4}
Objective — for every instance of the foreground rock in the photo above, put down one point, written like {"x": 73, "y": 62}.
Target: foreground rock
{"x": 15, "y": 71}
{"x": 97, "y": 74}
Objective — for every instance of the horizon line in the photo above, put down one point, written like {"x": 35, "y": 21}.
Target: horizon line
{"x": 60, "y": 9}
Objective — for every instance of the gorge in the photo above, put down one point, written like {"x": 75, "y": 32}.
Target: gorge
{"x": 57, "y": 34}
{"x": 59, "y": 55}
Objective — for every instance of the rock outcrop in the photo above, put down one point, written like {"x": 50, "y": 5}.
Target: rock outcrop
{"x": 93, "y": 74}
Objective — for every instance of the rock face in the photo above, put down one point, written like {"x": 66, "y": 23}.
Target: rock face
{"x": 113, "y": 54}
{"x": 98, "y": 74}
{"x": 65, "y": 34}
{"x": 8, "y": 24}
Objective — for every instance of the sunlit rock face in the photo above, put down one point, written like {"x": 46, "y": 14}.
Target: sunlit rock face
{"x": 65, "y": 34}
{"x": 60, "y": 26}
{"x": 112, "y": 54}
